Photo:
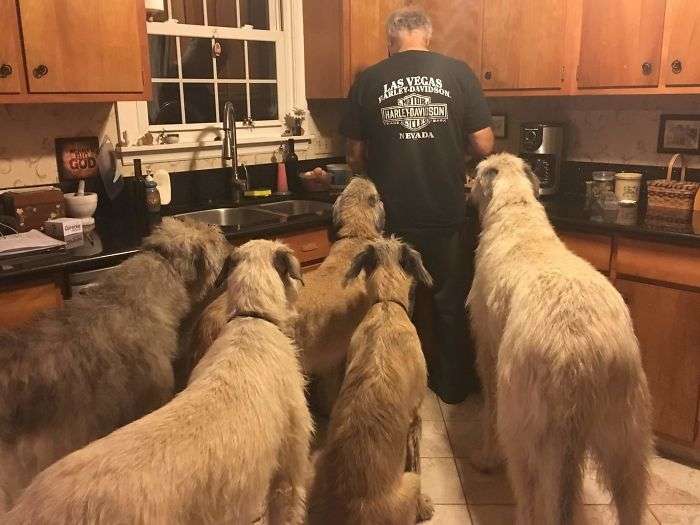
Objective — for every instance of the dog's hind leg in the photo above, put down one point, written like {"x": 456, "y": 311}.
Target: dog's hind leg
{"x": 622, "y": 447}
{"x": 489, "y": 458}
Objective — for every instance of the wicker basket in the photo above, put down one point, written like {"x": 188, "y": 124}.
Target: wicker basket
{"x": 668, "y": 193}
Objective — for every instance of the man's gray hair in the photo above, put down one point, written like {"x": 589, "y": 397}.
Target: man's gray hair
{"x": 408, "y": 19}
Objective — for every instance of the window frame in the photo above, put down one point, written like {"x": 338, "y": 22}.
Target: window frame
{"x": 286, "y": 30}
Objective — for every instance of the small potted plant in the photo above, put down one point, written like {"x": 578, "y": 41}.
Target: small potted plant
{"x": 293, "y": 121}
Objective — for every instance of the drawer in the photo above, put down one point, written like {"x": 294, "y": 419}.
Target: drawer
{"x": 596, "y": 249}
{"x": 19, "y": 303}
{"x": 309, "y": 246}
{"x": 659, "y": 262}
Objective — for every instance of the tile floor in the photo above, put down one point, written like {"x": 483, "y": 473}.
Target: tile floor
{"x": 463, "y": 496}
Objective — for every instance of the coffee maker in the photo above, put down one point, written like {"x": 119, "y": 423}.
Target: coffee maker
{"x": 542, "y": 147}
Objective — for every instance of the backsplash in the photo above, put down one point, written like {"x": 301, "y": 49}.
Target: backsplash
{"x": 607, "y": 129}
{"x": 27, "y": 133}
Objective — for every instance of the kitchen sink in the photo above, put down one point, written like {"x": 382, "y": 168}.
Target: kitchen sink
{"x": 296, "y": 208}
{"x": 240, "y": 217}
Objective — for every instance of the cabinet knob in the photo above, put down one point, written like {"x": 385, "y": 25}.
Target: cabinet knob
{"x": 647, "y": 68}
{"x": 5, "y": 70}
{"x": 488, "y": 75}
{"x": 40, "y": 71}
{"x": 676, "y": 66}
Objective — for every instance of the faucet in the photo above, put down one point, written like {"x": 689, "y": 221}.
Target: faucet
{"x": 229, "y": 150}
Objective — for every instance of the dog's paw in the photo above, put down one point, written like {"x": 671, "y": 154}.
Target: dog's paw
{"x": 426, "y": 509}
{"x": 486, "y": 463}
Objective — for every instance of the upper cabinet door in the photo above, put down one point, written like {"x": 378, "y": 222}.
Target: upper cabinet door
{"x": 456, "y": 29}
{"x": 683, "y": 32}
{"x": 368, "y": 43}
{"x": 82, "y": 46}
{"x": 621, "y": 43}
{"x": 11, "y": 68}
{"x": 523, "y": 46}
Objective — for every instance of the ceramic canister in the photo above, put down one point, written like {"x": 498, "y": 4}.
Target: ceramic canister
{"x": 627, "y": 186}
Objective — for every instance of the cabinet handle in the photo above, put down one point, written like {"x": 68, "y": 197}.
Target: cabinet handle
{"x": 647, "y": 68}
{"x": 309, "y": 247}
{"x": 676, "y": 66}
{"x": 5, "y": 70}
{"x": 488, "y": 75}
{"x": 40, "y": 71}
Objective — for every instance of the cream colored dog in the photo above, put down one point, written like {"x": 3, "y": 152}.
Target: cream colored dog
{"x": 558, "y": 358}
{"x": 238, "y": 432}
{"x": 360, "y": 476}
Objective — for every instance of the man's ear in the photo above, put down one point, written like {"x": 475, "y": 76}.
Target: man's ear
{"x": 366, "y": 260}
{"x": 287, "y": 265}
{"x": 534, "y": 179}
{"x": 412, "y": 264}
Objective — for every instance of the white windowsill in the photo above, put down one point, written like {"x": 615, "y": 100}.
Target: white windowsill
{"x": 207, "y": 149}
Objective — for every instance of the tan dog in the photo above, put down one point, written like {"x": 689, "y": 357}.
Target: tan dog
{"x": 558, "y": 358}
{"x": 239, "y": 431}
{"x": 360, "y": 477}
{"x": 77, "y": 373}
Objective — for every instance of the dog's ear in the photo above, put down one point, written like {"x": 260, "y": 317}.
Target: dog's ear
{"x": 534, "y": 179}
{"x": 287, "y": 265}
{"x": 366, "y": 260}
{"x": 412, "y": 264}
{"x": 229, "y": 265}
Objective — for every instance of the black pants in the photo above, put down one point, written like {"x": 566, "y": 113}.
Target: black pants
{"x": 439, "y": 313}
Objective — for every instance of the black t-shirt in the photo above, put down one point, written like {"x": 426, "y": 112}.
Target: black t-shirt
{"x": 414, "y": 111}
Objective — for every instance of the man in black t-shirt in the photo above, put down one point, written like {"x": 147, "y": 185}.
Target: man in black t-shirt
{"x": 410, "y": 122}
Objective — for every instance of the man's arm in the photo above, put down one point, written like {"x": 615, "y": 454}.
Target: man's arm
{"x": 481, "y": 143}
{"x": 356, "y": 155}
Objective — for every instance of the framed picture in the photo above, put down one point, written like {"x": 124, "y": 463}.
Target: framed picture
{"x": 499, "y": 124}
{"x": 76, "y": 157}
{"x": 679, "y": 134}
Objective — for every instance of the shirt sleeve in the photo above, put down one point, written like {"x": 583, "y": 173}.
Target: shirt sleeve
{"x": 477, "y": 114}
{"x": 352, "y": 126}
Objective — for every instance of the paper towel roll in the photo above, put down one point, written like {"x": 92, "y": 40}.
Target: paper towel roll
{"x": 162, "y": 178}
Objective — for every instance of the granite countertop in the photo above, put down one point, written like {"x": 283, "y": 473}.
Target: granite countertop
{"x": 113, "y": 241}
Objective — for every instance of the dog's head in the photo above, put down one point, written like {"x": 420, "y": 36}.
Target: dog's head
{"x": 265, "y": 278}
{"x": 196, "y": 251}
{"x": 502, "y": 172}
{"x": 391, "y": 268}
{"x": 358, "y": 211}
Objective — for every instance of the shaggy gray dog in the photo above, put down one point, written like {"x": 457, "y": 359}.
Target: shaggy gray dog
{"x": 557, "y": 356}
{"x": 238, "y": 432}
{"x": 77, "y": 373}
{"x": 361, "y": 478}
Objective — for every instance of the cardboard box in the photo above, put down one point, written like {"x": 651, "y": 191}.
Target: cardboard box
{"x": 64, "y": 229}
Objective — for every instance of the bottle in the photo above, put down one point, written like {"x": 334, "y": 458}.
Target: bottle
{"x": 152, "y": 194}
{"x": 291, "y": 163}
{"x": 282, "y": 185}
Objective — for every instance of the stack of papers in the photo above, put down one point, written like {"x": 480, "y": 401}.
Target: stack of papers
{"x": 29, "y": 242}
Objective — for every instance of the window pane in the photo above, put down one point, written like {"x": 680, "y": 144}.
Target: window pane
{"x": 255, "y": 13}
{"x": 196, "y": 57}
{"x": 261, "y": 60}
{"x": 199, "y": 103}
{"x": 164, "y": 108}
{"x": 236, "y": 94}
{"x": 231, "y": 63}
{"x": 188, "y": 11}
{"x": 222, "y": 13}
{"x": 163, "y": 56}
{"x": 263, "y": 101}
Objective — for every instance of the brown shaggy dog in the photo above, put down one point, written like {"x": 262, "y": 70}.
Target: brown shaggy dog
{"x": 77, "y": 373}
{"x": 360, "y": 476}
{"x": 239, "y": 430}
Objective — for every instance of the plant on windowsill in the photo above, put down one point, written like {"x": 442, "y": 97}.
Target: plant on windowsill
{"x": 293, "y": 121}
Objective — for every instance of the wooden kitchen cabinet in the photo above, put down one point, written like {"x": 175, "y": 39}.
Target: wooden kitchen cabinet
{"x": 621, "y": 43}
{"x": 342, "y": 38}
{"x": 523, "y": 44}
{"x": 78, "y": 51}
{"x": 668, "y": 328}
{"x": 681, "y": 64}
{"x": 11, "y": 66}
{"x": 596, "y": 249}
{"x": 20, "y": 302}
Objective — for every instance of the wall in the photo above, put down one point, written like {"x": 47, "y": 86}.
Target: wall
{"x": 27, "y": 133}
{"x": 615, "y": 129}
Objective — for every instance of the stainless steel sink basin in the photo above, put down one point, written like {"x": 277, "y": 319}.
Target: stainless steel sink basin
{"x": 241, "y": 217}
{"x": 296, "y": 208}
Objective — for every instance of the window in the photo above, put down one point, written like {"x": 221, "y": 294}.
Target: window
{"x": 204, "y": 53}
